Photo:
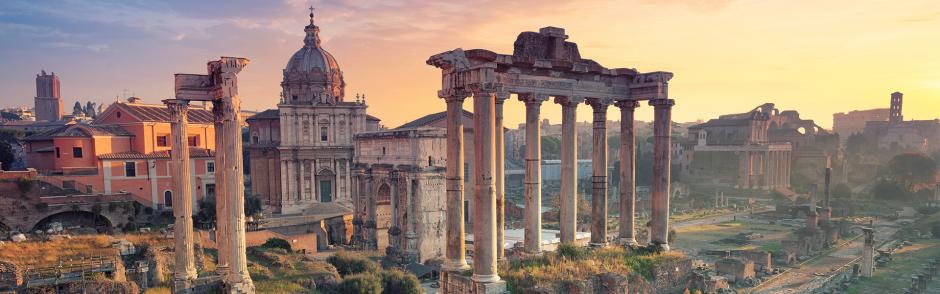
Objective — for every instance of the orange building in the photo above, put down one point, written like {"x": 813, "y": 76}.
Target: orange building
{"x": 126, "y": 149}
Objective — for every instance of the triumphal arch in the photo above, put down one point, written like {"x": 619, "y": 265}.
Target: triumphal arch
{"x": 543, "y": 65}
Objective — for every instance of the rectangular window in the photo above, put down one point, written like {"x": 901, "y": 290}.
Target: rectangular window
{"x": 323, "y": 134}
{"x": 210, "y": 167}
{"x": 192, "y": 141}
{"x": 77, "y": 152}
{"x": 161, "y": 141}
{"x": 57, "y": 154}
{"x": 130, "y": 169}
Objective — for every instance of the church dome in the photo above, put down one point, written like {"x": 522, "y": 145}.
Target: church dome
{"x": 312, "y": 75}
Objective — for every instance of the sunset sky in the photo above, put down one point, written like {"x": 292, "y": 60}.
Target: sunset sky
{"x": 818, "y": 57}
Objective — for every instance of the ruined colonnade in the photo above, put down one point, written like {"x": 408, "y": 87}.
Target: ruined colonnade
{"x": 219, "y": 87}
{"x": 490, "y": 79}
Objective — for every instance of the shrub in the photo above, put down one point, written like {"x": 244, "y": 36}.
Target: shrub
{"x": 570, "y": 251}
{"x": 349, "y": 264}
{"x": 364, "y": 283}
{"x": 277, "y": 243}
{"x": 398, "y": 282}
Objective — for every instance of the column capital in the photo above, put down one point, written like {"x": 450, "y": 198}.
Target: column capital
{"x": 627, "y": 104}
{"x": 177, "y": 106}
{"x": 667, "y": 103}
{"x": 501, "y": 97}
{"x": 569, "y": 101}
{"x": 599, "y": 104}
{"x": 453, "y": 95}
{"x": 532, "y": 98}
{"x": 483, "y": 88}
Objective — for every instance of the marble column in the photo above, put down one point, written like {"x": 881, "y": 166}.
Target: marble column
{"x": 659, "y": 202}
{"x": 599, "y": 169}
{"x": 484, "y": 213}
{"x": 568, "y": 222}
{"x": 237, "y": 280}
{"x": 185, "y": 266}
{"x": 533, "y": 172}
{"x": 627, "y": 172}
{"x": 221, "y": 190}
{"x": 500, "y": 153}
{"x": 455, "y": 253}
{"x": 868, "y": 253}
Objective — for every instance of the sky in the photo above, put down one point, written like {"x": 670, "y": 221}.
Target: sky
{"x": 817, "y": 57}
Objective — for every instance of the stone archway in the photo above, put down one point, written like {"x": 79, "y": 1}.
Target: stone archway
{"x": 383, "y": 215}
{"x": 81, "y": 218}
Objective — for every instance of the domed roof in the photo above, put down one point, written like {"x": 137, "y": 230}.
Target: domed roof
{"x": 311, "y": 57}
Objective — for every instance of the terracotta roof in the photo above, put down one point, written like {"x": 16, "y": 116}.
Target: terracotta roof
{"x": 160, "y": 113}
{"x": 193, "y": 153}
{"x": 430, "y": 118}
{"x": 267, "y": 114}
{"x": 79, "y": 130}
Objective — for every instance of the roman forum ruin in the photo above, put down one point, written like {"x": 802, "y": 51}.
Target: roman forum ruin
{"x": 219, "y": 86}
{"x": 543, "y": 65}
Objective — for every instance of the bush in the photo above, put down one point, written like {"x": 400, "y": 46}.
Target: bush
{"x": 277, "y": 243}
{"x": 365, "y": 283}
{"x": 570, "y": 251}
{"x": 349, "y": 264}
{"x": 24, "y": 185}
{"x": 887, "y": 190}
{"x": 398, "y": 282}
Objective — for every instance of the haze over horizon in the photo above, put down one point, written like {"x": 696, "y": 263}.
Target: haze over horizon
{"x": 727, "y": 56}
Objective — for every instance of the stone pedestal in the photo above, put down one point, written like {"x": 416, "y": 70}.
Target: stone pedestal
{"x": 627, "y": 172}
{"x": 659, "y": 190}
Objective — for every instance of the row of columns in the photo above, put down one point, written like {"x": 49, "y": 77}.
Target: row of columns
{"x": 304, "y": 129}
{"x": 488, "y": 191}
{"x": 301, "y": 180}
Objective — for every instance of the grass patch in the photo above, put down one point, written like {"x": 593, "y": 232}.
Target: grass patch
{"x": 895, "y": 277}
{"x": 571, "y": 265}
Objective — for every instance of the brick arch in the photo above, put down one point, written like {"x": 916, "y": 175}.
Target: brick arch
{"x": 99, "y": 221}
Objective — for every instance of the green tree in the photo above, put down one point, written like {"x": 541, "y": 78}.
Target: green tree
{"x": 395, "y": 281}
{"x": 915, "y": 171}
{"x": 887, "y": 190}
{"x": 365, "y": 283}
{"x": 7, "y": 157}
{"x": 855, "y": 143}
{"x": 277, "y": 243}
{"x": 842, "y": 191}
{"x": 551, "y": 147}
{"x": 349, "y": 264}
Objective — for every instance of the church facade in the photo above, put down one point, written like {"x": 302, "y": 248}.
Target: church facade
{"x": 301, "y": 153}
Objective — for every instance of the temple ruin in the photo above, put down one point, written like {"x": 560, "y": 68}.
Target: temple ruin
{"x": 543, "y": 65}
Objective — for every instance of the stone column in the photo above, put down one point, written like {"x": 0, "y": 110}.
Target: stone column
{"x": 599, "y": 169}
{"x": 185, "y": 266}
{"x": 455, "y": 253}
{"x": 533, "y": 172}
{"x": 627, "y": 172}
{"x": 659, "y": 202}
{"x": 221, "y": 191}
{"x": 868, "y": 253}
{"x": 569, "y": 168}
{"x": 500, "y": 153}
{"x": 237, "y": 280}
{"x": 484, "y": 213}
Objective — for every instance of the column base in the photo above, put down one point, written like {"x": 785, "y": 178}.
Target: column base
{"x": 629, "y": 242}
{"x": 454, "y": 282}
{"x": 477, "y": 278}
{"x": 456, "y": 265}
{"x": 660, "y": 247}
{"x": 498, "y": 287}
{"x": 598, "y": 245}
{"x": 240, "y": 288}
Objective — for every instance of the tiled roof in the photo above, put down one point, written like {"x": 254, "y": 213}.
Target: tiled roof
{"x": 430, "y": 118}
{"x": 79, "y": 130}
{"x": 160, "y": 113}
{"x": 267, "y": 114}
{"x": 193, "y": 153}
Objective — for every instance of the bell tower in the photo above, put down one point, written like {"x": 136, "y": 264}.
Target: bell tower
{"x": 897, "y": 100}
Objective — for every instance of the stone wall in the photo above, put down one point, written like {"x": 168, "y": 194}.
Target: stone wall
{"x": 735, "y": 270}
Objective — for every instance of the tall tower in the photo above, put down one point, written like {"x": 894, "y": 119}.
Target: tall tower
{"x": 897, "y": 99}
{"x": 48, "y": 102}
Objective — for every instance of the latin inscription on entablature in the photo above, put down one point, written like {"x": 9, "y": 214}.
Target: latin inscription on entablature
{"x": 548, "y": 83}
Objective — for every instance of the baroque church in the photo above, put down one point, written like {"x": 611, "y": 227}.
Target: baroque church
{"x": 301, "y": 153}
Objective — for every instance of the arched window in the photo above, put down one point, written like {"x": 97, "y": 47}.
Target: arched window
{"x": 384, "y": 196}
{"x": 323, "y": 134}
{"x": 168, "y": 198}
